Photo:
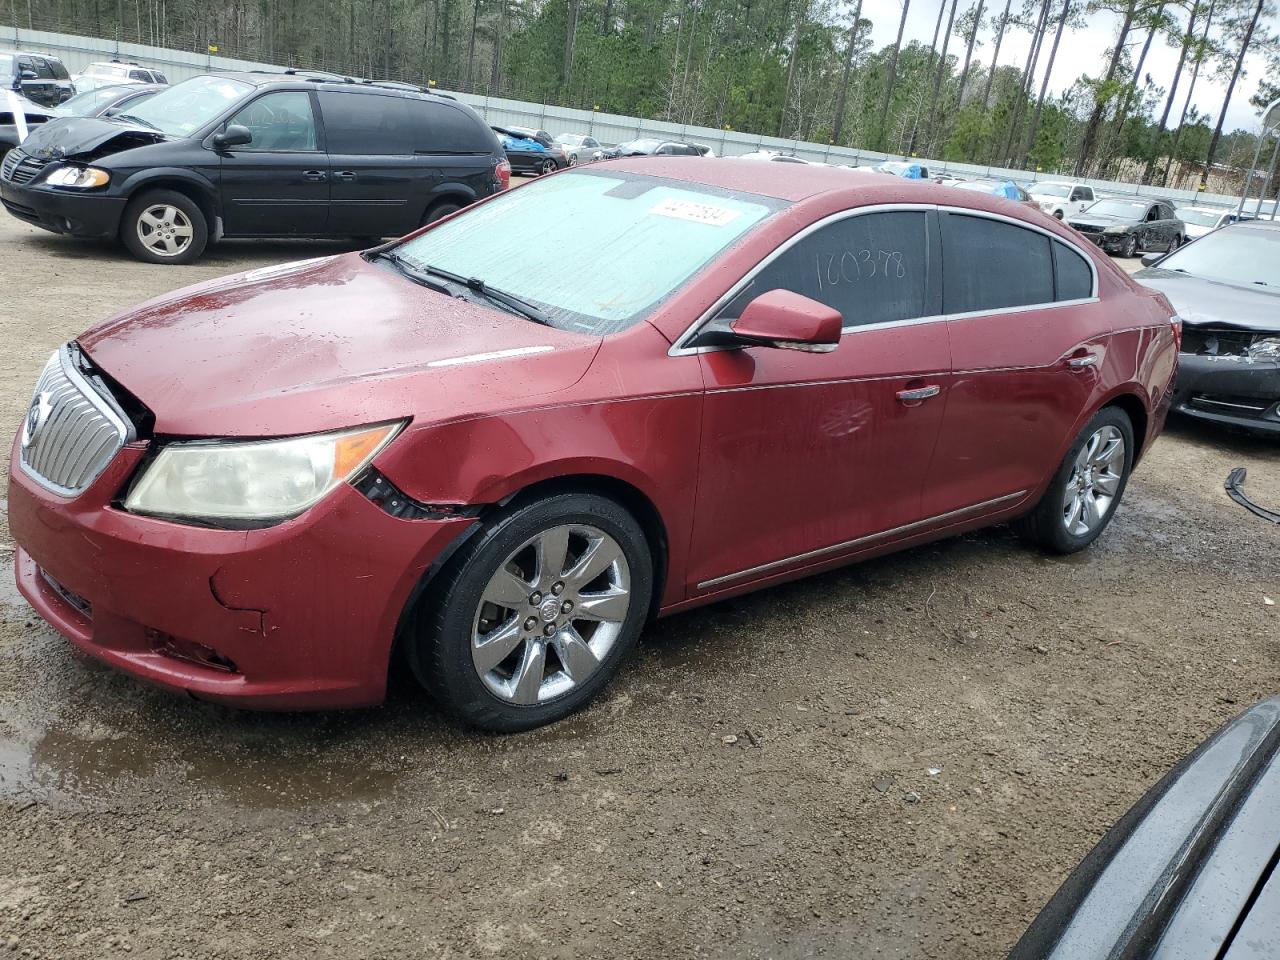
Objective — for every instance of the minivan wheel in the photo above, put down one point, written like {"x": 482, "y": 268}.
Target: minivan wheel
{"x": 535, "y": 614}
{"x": 1087, "y": 487}
{"x": 440, "y": 210}
{"x": 163, "y": 226}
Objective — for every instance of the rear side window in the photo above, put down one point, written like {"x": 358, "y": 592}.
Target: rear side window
{"x": 442, "y": 128}
{"x": 158, "y": 77}
{"x": 58, "y": 70}
{"x": 367, "y": 124}
{"x": 141, "y": 75}
{"x": 1075, "y": 279}
{"x": 873, "y": 268}
{"x": 993, "y": 265}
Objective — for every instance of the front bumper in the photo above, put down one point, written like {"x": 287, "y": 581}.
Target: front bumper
{"x": 301, "y": 615}
{"x": 88, "y": 215}
{"x": 1109, "y": 242}
{"x": 1229, "y": 390}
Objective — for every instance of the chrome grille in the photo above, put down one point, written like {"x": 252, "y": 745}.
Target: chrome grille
{"x": 71, "y": 431}
{"x": 19, "y": 168}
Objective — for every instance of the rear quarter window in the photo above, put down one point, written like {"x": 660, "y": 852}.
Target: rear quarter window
{"x": 444, "y": 128}
{"x": 1074, "y": 278}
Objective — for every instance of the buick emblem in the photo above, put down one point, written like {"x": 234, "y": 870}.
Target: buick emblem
{"x": 37, "y": 417}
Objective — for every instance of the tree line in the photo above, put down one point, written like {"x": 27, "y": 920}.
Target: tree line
{"x": 803, "y": 69}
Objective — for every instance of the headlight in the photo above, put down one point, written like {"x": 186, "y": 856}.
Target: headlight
{"x": 253, "y": 480}
{"x": 1046, "y": 204}
{"x": 1117, "y": 228}
{"x": 82, "y": 178}
{"x": 1264, "y": 348}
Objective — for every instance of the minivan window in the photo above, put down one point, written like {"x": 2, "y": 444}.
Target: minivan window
{"x": 445, "y": 129}
{"x": 186, "y": 107}
{"x": 993, "y": 265}
{"x": 635, "y": 241}
{"x": 279, "y": 122}
{"x": 366, "y": 124}
{"x": 870, "y": 267}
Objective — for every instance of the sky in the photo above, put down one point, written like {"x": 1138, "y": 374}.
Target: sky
{"x": 1081, "y": 51}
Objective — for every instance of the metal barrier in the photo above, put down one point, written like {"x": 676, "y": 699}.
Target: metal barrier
{"x": 77, "y": 52}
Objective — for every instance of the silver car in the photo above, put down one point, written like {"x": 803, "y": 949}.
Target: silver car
{"x": 580, "y": 148}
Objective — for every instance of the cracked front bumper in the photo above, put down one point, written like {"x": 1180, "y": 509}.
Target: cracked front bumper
{"x": 301, "y": 615}
{"x": 1230, "y": 391}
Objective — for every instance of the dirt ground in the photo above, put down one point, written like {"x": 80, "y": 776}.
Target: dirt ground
{"x": 902, "y": 759}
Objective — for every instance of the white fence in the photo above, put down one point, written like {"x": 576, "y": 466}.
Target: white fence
{"x": 77, "y": 52}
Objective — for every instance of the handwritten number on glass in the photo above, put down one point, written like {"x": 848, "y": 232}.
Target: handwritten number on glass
{"x": 866, "y": 264}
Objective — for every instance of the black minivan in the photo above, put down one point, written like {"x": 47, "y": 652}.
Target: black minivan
{"x": 254, "y": 155}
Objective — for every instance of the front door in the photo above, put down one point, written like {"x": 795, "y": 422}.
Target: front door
{"x": 805, "y": 453}
{"x": 277, "y": 185}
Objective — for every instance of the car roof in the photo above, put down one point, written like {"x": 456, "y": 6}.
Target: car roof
{"x": 320, "y": 80}
{"x": 1252, "y": 225}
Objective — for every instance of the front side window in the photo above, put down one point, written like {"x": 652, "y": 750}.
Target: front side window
{"x": 1154, "y": 214}
{"x": 872, "y": 267}
{"x": 993, "y": 265}
{"x": 635, "y": 241}
{"x": 279, "y": 122}
{"x": 187, "y": 107}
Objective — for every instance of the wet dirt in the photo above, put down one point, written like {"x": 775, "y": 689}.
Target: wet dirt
{"x": 759, "y": 782}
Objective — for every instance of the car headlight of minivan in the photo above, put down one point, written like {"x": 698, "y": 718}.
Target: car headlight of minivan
{"x": 1264, "y": 348}
{"x": 1117, "y": 228}
{"x": 253, "y": 480}
{"x": 80, "y": 178}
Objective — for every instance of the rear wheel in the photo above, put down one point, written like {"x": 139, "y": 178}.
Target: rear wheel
{"x": 163, "y": 226}
{"x": 1087, "y": 487}
{"x": 546, "y": 166}
{"x": 439, "y": 210}
{"x": 573, "y": 159}
{"x": 1175, "y": 243}
{"x": 536, "y": 613}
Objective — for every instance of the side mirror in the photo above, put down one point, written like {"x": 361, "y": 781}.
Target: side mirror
{"x": 789, "y": 321}
{"x": 1151, "y": 259}
{"x": 234, "y": 136}
{"x": 29, "y": 75}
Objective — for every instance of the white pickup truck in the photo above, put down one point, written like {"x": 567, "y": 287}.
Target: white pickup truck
{"x": 1062, "y": 198}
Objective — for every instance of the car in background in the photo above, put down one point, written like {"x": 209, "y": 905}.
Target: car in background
{"x": 40, "y": 78}
{"x": 580, "y": 148}
{"x": 111, "y": 73}
{"x": 1006, "y": 189}
{"x": 774, "y": 157}
{"x": 253, "y": 155}
{"x": 1201, "y": 220}
{"x": 1127, "y": 227}
{"x": 1061, "y": 199}
{"x": 528, "y": 154}
{"x": 906, "y": 169}
{"x": 652, "y": 147}
{"x": 108, "y": 101}
{"x": 522, "y": 442}
{"x": 705, "y": 150}
{"x": 1226, "y": 288}
{"x": 14, "y": 128}
{"x": 1190, "y": 871}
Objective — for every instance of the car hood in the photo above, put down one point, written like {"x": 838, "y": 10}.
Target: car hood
{"x": 323, "y": 344}
{"x": 1101, "y": 220}
{"x": 80, "y": 138}
{"x": 1210, "y": 303}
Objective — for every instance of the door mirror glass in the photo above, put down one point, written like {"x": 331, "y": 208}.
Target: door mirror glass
{"x": 235, "y": 135}
{"x": 30, "y": 75}
{"x": 789, "y": 321}
{"x": 1151, "y": 259}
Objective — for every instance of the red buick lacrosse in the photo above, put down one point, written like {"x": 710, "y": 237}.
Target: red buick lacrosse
{"x": 501, "y": 445}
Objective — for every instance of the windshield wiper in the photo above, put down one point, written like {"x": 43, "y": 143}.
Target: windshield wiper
{"x": 408, "y": 270}
{"x": 492, "y": 294}
{"x": 129, "y": 117}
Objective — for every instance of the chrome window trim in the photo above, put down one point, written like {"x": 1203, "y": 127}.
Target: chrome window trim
{"x": 679, "y": 348}
{"x": 869, "y": 538}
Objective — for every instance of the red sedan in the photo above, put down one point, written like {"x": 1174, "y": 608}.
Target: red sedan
{"x": 502, "y": 446}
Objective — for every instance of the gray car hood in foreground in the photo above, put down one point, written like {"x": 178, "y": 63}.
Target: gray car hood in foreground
{"x": 1190, "y": 872}
{"x": 1210, "y": 303}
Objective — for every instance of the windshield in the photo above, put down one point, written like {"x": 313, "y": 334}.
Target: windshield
{"x": 1050, "y": 190}
{"x": 88, "y": 103}
{"x": 183, "y": 109}
{"x": 1126, "y": 209}
{"x": 1246, "y": 256}
{"x": 570, "y": 139}
{"x": 1201, "y": 218}
{"x": 635, "y": 241}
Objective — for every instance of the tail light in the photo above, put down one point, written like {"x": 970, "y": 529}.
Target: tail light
{"x": 503, "y": 170}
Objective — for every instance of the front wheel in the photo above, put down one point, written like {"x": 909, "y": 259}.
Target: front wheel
{"x": 1130, "y": 248}
{"x": 1057, "y": 214}
{"x": 535, "y": 614}
{"x": 1087, "y": 487}
{"x": 164, "y": 226}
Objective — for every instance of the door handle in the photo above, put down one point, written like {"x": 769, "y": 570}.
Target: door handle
{"x": 1083, "y": 363}
{"x": 346, "y": 176}
{"x": 315, "y": 176}
{"x": 916, "y": 394}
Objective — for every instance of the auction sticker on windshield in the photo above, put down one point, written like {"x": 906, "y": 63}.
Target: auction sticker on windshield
{"x": 695, "y": 212}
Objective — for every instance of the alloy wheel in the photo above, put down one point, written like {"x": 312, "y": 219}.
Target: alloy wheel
{"x": 573, "y": 159}
{"x": 1094, "y": 482}
{"x": 164, "y": 230}
{"x": 550, "y": 614}
{"x": 548, "y": 166}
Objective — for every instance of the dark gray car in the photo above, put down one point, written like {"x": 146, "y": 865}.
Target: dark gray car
{"x": 1190, "y": 872}
{"x": 1226, "y": 288}
{"x": 1127, "y": 227}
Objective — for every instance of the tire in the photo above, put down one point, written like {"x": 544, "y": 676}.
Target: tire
{"x": 1057, "y": 214}
{"x": 439, "y": 210}
{"x": 1047, "y": 525}
{"x": 1175, "y": 243}
{"x": 164, "y": 226}
{"x": 546, "y": 167}
{"x": 447, "y": 641}
{"x": 1130, "y": 248}
{"x": 573, "y": 159}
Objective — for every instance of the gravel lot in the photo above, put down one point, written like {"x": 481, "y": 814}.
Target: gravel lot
{"x": 901, "y": 759}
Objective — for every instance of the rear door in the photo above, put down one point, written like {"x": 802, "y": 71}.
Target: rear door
{"x": 277, "y": 185}
{"x": 1027, "y": 340}
{"x": 377, "y": 176}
